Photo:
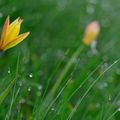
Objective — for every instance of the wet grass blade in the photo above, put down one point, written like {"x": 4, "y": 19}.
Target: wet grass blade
{"x": 7, "y": 90}
{"x": 80, "y": 100}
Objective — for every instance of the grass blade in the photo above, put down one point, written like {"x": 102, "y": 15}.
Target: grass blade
{"x": 6, "y": 91}
{"x": 80, "y": 100}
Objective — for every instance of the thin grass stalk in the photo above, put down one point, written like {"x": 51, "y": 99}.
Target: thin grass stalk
{"x": 66, "y": 69}
{"x": 80, "y": 100}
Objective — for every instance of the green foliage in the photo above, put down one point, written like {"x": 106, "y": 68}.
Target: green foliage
{"x": 54, "y": 79}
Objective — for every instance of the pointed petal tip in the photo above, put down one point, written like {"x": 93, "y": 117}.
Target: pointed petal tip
{"x": 26, "y": 34}
{"x": 8, "y": 17}
{"x": 7, "y": 20}
{"x": 20, "y": 20}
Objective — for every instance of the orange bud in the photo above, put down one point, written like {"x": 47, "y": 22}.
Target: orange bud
{"x": 91, "y": 33}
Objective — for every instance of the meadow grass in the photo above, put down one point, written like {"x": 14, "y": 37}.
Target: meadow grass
{"x": 56, "y": 77}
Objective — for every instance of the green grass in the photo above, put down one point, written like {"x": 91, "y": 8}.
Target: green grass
{"x": 47, "y": 77}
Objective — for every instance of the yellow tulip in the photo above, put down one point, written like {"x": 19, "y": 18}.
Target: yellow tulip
{"x": 91, "y": 33}
{"x": 10, "y": 34}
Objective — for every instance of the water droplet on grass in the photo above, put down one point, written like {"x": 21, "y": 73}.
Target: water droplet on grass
{"x": 29, "y": 89}
{"x": 119, "y": 109}
{"x": 109, "y": 98}
{"x": 9, "y": 71}
{"x": 40, "y": 87}
{"x": 30, "y": 75}
{"x": 52, "y": 109}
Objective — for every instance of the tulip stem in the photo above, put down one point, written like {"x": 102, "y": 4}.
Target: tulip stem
{"x": 66, "y": 69}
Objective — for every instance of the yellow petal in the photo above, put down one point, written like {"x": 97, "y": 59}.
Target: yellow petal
{"x": 13, "y": 30}
{"x": 16, "y": 41}
{"x": 4, "y": 31}
{"x": 13, "y": 23}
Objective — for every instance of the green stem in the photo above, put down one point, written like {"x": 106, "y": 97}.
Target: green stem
{"x": 66, "y": 69}
{"x": 51, "y": 94}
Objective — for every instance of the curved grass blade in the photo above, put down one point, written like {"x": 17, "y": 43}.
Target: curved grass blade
{"x": 14, "y": 96}
{"x": 60, "y": 92}
{"x": 51, "y": 94}
{"x": 6, "y": 91}
{"x": 108, "y": 111}
{"x": 80, "y": 100}
{"x": 54, "y": 71}
{"x": 66, "y": 69}
{"x": 55, "y": 100}
{"x": 49, "y": 79}
{"x": 80, "y": 85}
{"x": 113, "y": 114}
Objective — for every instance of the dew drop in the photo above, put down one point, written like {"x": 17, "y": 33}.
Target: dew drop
{"x": 119, "y": 109}
{"x": 52, "y": 109}
{"x": 29, "y": 89}
{"x": 109, "y": 98}
{"x": 30, "y": 75}
{"x": 9, "y": 71}
{"x": 40, "y": 87}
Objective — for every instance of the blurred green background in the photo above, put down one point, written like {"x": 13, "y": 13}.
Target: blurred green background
{"x": 57, "y": 27}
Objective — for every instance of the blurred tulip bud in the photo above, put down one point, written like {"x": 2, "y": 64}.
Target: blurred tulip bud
{"x": 91, "y": 33}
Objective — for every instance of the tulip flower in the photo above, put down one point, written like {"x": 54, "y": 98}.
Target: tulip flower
{"x": 10, "y": 34}
{"x": 91, "y": 33}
